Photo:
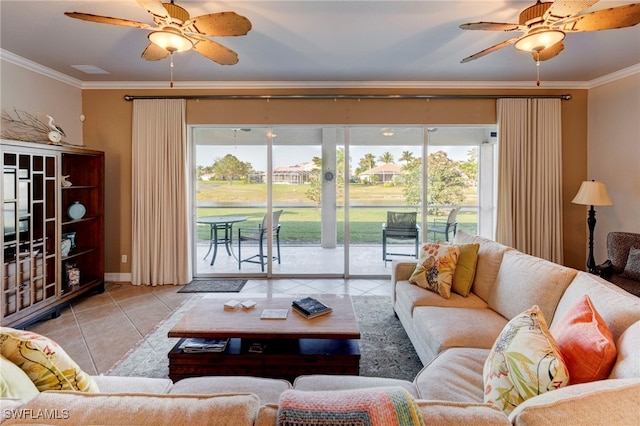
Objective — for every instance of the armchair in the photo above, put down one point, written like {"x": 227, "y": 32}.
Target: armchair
{"x": 259, "y": 236}
{"x": 400, "y": 226}
{"x": 623, "y": 266}
{"x": 445, "y": 227}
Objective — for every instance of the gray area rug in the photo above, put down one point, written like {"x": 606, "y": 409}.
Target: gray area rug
{"x": 213, "y": 286}
{"x": 385, "y": 349}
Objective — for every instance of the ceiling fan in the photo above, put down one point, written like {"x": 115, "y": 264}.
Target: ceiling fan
{"x": 176, "y": 31}
{"x": 545, "y": 24}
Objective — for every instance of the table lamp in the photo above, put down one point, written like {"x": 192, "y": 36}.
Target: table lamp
{"x": 592, "y": 193}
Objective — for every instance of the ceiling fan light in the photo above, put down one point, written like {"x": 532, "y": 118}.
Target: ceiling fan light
{"x": 171, "y": 40}
{"x": 539, "y": 40}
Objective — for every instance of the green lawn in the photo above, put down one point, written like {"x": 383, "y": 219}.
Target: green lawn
{"x": 301, "y": 222}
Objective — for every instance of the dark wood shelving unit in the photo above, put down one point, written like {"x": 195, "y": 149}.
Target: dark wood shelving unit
{"x": 34, "y": 276}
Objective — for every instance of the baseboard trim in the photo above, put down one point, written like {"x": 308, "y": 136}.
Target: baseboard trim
{"x": 118, "y": 277}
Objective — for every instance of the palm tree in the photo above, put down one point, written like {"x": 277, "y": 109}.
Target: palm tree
{"x": 407, "y": 157}
{"x": 386, "y": 158}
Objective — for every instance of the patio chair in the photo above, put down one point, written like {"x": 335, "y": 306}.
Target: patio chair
{"x": 440, "y": 226}
{"x": 400, "y": 226}
{"x": 259, "y": 235}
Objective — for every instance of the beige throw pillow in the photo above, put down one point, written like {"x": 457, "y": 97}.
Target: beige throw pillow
{"x": 435, "y": 268}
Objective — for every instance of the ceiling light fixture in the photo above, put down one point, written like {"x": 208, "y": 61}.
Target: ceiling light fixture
{"x": 539, "y": 39}
{"x": 171, "y": 39}
{"x": 387, "y": 132}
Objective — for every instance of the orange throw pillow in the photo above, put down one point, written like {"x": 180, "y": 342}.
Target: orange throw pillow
{"x": 586, "y": 343}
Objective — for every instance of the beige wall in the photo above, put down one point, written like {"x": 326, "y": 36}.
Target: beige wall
{"x": 108, "y": 127}
{"x": 614, "y": 156}
{"x": 29, "y": 91}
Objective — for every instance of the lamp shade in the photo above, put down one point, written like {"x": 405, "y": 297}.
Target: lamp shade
{"x": 170, "y": 39}
{"x": 592, "y": 193}
{"x": 539, "y": 40}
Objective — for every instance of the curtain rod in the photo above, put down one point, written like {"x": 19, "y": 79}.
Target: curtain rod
{"x": 564, "y": 97}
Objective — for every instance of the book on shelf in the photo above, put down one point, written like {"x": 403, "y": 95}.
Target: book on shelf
{"x": 274, "y": 314}
{"x": 198, "y": 345}
{"x": 310, "y": 307}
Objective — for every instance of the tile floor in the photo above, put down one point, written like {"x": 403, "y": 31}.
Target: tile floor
{"x": 98, "y": 330}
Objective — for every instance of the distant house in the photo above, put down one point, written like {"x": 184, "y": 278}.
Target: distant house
{"x": 385, "y": 173}
{"x": 295, "y": 175}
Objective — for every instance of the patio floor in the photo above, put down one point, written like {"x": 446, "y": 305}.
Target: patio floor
{"x": 300, "y": 260}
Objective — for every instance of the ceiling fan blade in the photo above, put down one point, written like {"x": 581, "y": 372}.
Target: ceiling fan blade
{"x": 606, "y": 19}
{"x": 108, "y": 20}
{"x": 222, "y": 24}
{"x": 155, "y": 7}
{"x": 153, "y": 52}
{"x": 490, "y": 26}
{"x": 214, "y": 51}
{"x": 564, "y": 8}
{"x": 489, "y": 50}
{"x": 549, "y": 52}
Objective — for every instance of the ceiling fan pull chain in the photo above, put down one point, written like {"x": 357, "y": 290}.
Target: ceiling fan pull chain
{"x": 538, "y": 69}
{"x": 171, "y": 67}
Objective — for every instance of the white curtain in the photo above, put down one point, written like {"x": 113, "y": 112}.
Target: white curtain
{"x": 530, "y": 176}
{"x": 160, "y": 240}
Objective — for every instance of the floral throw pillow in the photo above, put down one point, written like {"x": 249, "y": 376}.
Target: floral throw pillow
{"x": 524, "y": 362}
{"x": 47, "y": 364}
{"x": 435, "y": 268}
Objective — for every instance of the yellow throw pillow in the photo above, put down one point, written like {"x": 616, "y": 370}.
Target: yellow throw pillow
{"x": 435, "y": 268}
{"x": 14, "y": 383}
{"x": 524, "y": 362}
{"x": 465, "y": 269}
{"x": 47, "y": 364}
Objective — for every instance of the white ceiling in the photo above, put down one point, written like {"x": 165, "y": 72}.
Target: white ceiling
{"x": 319, "y": 42}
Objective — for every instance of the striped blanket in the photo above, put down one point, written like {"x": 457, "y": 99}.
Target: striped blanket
{"x": 383, "y": 406}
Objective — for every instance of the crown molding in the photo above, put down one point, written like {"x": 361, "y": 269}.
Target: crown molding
{"x": 10, "y": 57}
{"x": 623, "y": 73}
{"x": 343, "y": 84}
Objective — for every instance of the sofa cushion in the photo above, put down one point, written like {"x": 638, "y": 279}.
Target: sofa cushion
{"x": 267, "y": 390}
{"x": 118, "y": 384}
{"x": 461, "y": 413}
{"x": 627, "y": 363}
{"x": 454, "y": 375}
{"x": 321, "y": 382}
{"x": 618, "y": 308}
{"x": 383, "y": 406}
{"x": 524, "y": 362}
{"x": 490, "y": 256}
{"x": 443, "y": 328}
{"x": 435, "y": 268}
{"x": 14, "y": 383}
{"x": 46, "y": 363}
{"x": 585, "y": 342}
{"x": 607, "y": 402}
{"x": 81, "y": 408}
{"x": 433, "y": 412}
{"x": 412, "y": 296}
{"x": 524, "y": 281}
{"x": 632, "y": 268}
{"x": 465, "y": 269}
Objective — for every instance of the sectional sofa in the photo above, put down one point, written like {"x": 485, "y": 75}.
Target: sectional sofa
{"x": 453, "y": 336}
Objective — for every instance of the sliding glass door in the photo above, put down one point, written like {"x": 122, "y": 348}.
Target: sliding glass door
{"x": 314, "y": 201}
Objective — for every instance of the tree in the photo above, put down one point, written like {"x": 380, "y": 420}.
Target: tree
{"x": 411, "y": 179}
{"x": 407, "y": 157}
{"x": 470, "y": 167}
{"x": 445, "y": 180}
{"x": 386, "y": 158}
{"x": 230, "y": 168}
{"x": 314, "y": 192}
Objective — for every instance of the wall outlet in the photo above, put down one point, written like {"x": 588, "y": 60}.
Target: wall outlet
{"x": 124, "y": 258}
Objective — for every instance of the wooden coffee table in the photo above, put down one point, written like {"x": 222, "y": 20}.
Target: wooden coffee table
{"x": 327, "y": 344}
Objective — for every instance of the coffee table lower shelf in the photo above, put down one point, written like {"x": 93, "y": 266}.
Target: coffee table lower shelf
{"x": 282, "y": 358}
